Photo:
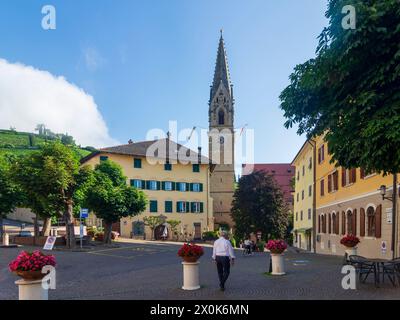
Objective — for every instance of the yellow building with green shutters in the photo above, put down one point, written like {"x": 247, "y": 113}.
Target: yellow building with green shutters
{"x": 176, "y": 181}
{"x": 349, "y": 202}
{"x": 304, "y": 201}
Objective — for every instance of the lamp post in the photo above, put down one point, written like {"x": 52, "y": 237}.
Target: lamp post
{"x": 392, "y": 198}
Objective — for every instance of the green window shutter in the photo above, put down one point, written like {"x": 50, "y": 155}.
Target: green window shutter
{"x": 187, "y": 206}
{"x": 187, "y": 187}
{"x": 191, "y": 186}
{"x": 137, "y": 163}
{"x": 173, "y": 186}
{"x": 103, "y": 158}
{"x": 201, "y": 207}
{"x": 158, "y": 185}
{"x": 132, "y": 182}
{"x": 177, "y": 206}
{"x": 153, "y": 206}
{"x": 196, "y": 168}
{"x": 192, "y": 207}
{"x": 143, "y": 184}
{"x": 201, "y": 187}
{"x": 168, "y": 206}
{"x": 148, "y": 185}
{"x": 162, "y": 185}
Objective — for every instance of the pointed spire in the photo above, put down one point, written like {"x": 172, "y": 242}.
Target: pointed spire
{"x": 221, "y": 73}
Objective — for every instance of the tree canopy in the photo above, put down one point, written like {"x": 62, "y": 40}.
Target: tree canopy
{"x": 54, "y": 182}
{"x": 111, "y": 198}
{"x": 350, "y": 89}
{"x": 258, "y": 205}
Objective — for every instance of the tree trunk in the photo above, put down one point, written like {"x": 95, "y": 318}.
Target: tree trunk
{"x": 153, "y": 236}
{"x": 394, "y": 217}
{"x": 69, "y": 225}
{"x": 1, "y": 227}
{"x": 35, "y": 229}
{"x": 46, "y": 227}
{"x": 107, "y": 232}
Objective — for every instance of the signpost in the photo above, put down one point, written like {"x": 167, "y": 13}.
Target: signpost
{"x": 84, "y": 213}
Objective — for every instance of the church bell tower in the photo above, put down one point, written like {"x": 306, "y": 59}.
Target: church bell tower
{"x": 221, "y": 140}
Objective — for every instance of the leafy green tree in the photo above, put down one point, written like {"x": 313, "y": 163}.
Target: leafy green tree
{"x": 111, "y": 198}
{"x": 10, "y": 193}
{"x": 350, "y": 89}
{"x": 152, "y": 222}
{"x": 67, "y": 140}
{"x": 53, "y": 180}
{"x": 174, "y": 226}
{"x": 258, "y": 204}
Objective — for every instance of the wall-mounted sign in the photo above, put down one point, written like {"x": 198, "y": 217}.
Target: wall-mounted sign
{"x": 389, "y": 215}
{"x": 383, "y": 247}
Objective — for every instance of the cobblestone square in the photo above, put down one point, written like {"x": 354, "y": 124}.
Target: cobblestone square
{"x": 153, "y": 271}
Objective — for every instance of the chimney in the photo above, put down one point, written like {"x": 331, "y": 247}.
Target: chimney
{"x": 199, "y": 154}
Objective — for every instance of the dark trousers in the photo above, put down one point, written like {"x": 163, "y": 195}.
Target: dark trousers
{"x": 224, "y": 268}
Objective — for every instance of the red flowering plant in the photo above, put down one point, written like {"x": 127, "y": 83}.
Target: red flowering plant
{"x": 191, "y": 251}
{"x": 350, "y": 241}
{"x": 34, "y": 261}
{"x": 276, "y": 246}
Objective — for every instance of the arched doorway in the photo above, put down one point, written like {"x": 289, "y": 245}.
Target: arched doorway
{"x": 159, "y": 232}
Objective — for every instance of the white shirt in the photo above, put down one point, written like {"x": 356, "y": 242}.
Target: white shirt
{"x": 223, "y": 247}
{"x": 247, "y": 242}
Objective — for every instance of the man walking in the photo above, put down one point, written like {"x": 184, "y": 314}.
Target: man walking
{"x": 224, "y": 257}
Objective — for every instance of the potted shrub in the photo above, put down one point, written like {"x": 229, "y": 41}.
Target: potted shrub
{"x": 350, "y": 242}
{"x": 190, "y": 252}
{"x": 277, "y": 247}
{"x": 29, "y": 265}
{"x": 99, "y": 236}
{"x": 91, "y": 231}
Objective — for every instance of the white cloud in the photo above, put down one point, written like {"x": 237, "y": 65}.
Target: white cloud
{"x": 29, "y": 96}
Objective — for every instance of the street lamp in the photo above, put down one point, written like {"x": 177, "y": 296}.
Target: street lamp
{"x": 382, "y": 190}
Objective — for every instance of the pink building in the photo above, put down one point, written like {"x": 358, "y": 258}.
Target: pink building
{"x": 282, "y": 172}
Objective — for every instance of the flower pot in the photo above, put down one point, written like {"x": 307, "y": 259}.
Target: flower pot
{"x": 190, "y": 259}
{"x": 30, "y": 275}
{"x": 278, "y": 267}
{"x": 351, "y": 251}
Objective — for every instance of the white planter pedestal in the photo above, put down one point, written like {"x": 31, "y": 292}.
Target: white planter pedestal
{"x": 31, "y": 290}
{"x": 191, "y": 276}
{"x": 6, "y": 239}
{"x": 278, "y": 267}
{"x": 351, "y": 251}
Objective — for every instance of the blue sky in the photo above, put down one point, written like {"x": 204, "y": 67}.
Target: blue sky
{"x": 147, "y": 62}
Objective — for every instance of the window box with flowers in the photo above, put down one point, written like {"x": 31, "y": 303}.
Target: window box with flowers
{"x": 277, "y": 247}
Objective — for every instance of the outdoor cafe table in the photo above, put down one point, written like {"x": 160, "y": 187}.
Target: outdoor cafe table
{"x": 378, "y": 267}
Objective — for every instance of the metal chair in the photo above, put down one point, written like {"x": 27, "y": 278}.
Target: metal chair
{"x": 390, "y": 269}
{"x": 363, "y": 267}
{"x": 396, "y": 266}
